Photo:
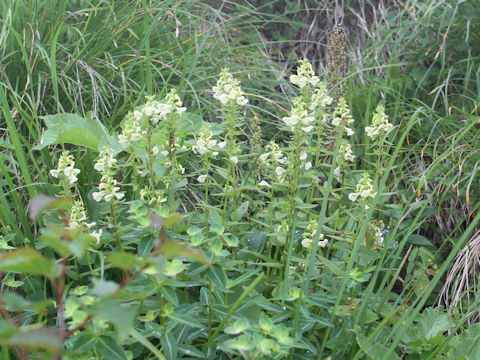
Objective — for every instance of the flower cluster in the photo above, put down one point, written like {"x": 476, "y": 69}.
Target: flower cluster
{"x": 305, "y": 75}
{"x": 174, "y": 103}
{"x": 154, "y": 111}
{"x": 131, "y": 132}
{"x": 380, "y": 124}
{"x": 206, "y": 145}
{"x": 66, "y": 170}
{"x": 273, "y": 161}
{"x": 364, "y": 188}
{"x": 106, "y": 164}
{"x": 342, "y": 115}
{"x": 320, "y": 98}
{"x": 78, "y": 216}
{"x": 310, "y": 233}
{"x": 299, "y": 116}
{"x": 228, "y": 90}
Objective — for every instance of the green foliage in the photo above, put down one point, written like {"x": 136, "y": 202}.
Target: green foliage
{"x": 274, "y": 220}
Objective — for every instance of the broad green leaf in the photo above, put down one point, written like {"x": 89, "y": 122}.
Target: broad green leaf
{"x": 76, "y": 244}
{"x": 468, "y": 346}
{"x": 7, "y": 330}
{"x": 112, "y": 310}
{"x": 169, "y": 346}
{"x": 419, "y": 240}
{"x": 103, "y": 287}
{"x": 74, "y": 129}
{"x": 27, "y": 261}
{"x": 15, "y": 302}
{"x": 83, "y": 341}
{"x": 124, "y": 260}
{"x": 172, "y": 248}
{"x": 42, "y": 202}
{"x": 433, "y": 322}
{"x": 255, "y": 240}
{"x": 109, "y": 349}
{"x": 45, "y": 339}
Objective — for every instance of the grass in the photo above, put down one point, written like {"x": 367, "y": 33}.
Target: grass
{"x": 259, "y": 293}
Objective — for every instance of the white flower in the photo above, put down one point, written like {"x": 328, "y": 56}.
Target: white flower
{"x": 181, "y": 110}
{"x": 155, "y": 150}
{"x": 221, "y": 145}
{"x": 98, "y": 195}
{"x": 137, "y": 115}
{"x": 303, "y": 155}
{"x": 279, "y": 171}
{"x": 305, "y": 75}
{"x": 337, "y": 172}
{"x": 55, "y": 173}
{"x": 264, "y": 183}
{"x": 380, "y": 124}
{"x": 349, "y": 131}
{"x": 364, "y": 188}
{"x": 308, "y": 165}
{"x": 99, "y": 166}
{"x": 307, "y": 243}
{"x": 66, "y": 169}
{"x": 234, "y": 159}
{"x": 307, "y": 129}
{"x": 228, "y": 89}
{"x": 202, "y": 178}
{"x": 97, "y": 235}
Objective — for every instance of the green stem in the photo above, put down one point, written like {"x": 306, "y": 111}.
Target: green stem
{"x": 234, "y": 308}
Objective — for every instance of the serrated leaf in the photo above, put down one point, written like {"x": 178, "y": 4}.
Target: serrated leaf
{"x": 74, "y": 129}
{"x": 27, "y": 261}
{"x": 433, "y": 322}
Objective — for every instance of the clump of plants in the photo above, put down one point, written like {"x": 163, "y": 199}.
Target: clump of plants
{"x": 190, "y": 239}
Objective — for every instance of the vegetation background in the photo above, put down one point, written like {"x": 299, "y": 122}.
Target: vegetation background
{"x": 99, "y": 59}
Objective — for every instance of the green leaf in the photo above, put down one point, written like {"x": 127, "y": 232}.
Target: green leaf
{"x": 218, "y": 277}
{"x": 433, "y": 323}
{"x": 255, "y": 240}
{"x": 419, "y": 240}
{"x": 76, "y": 244}
{"x": 190, "y": 350}
{"x": 185, "y": 320}
{"x": 45, "y": 339}
{"x": 468, "y": 346}
{"x": 42, "y": 202}
{"x": 169, "y": 346}
{"x": 121, "y": 316}
{"x": 74, "y": 129}
{"x": 172, "y": 248}
{"x": 374, "y": 351}
{"x": 108, "y": 349}
{"x": 27, "y": 261}
{"x": 6, "y": 330}
{"x": 124, "y": 260}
